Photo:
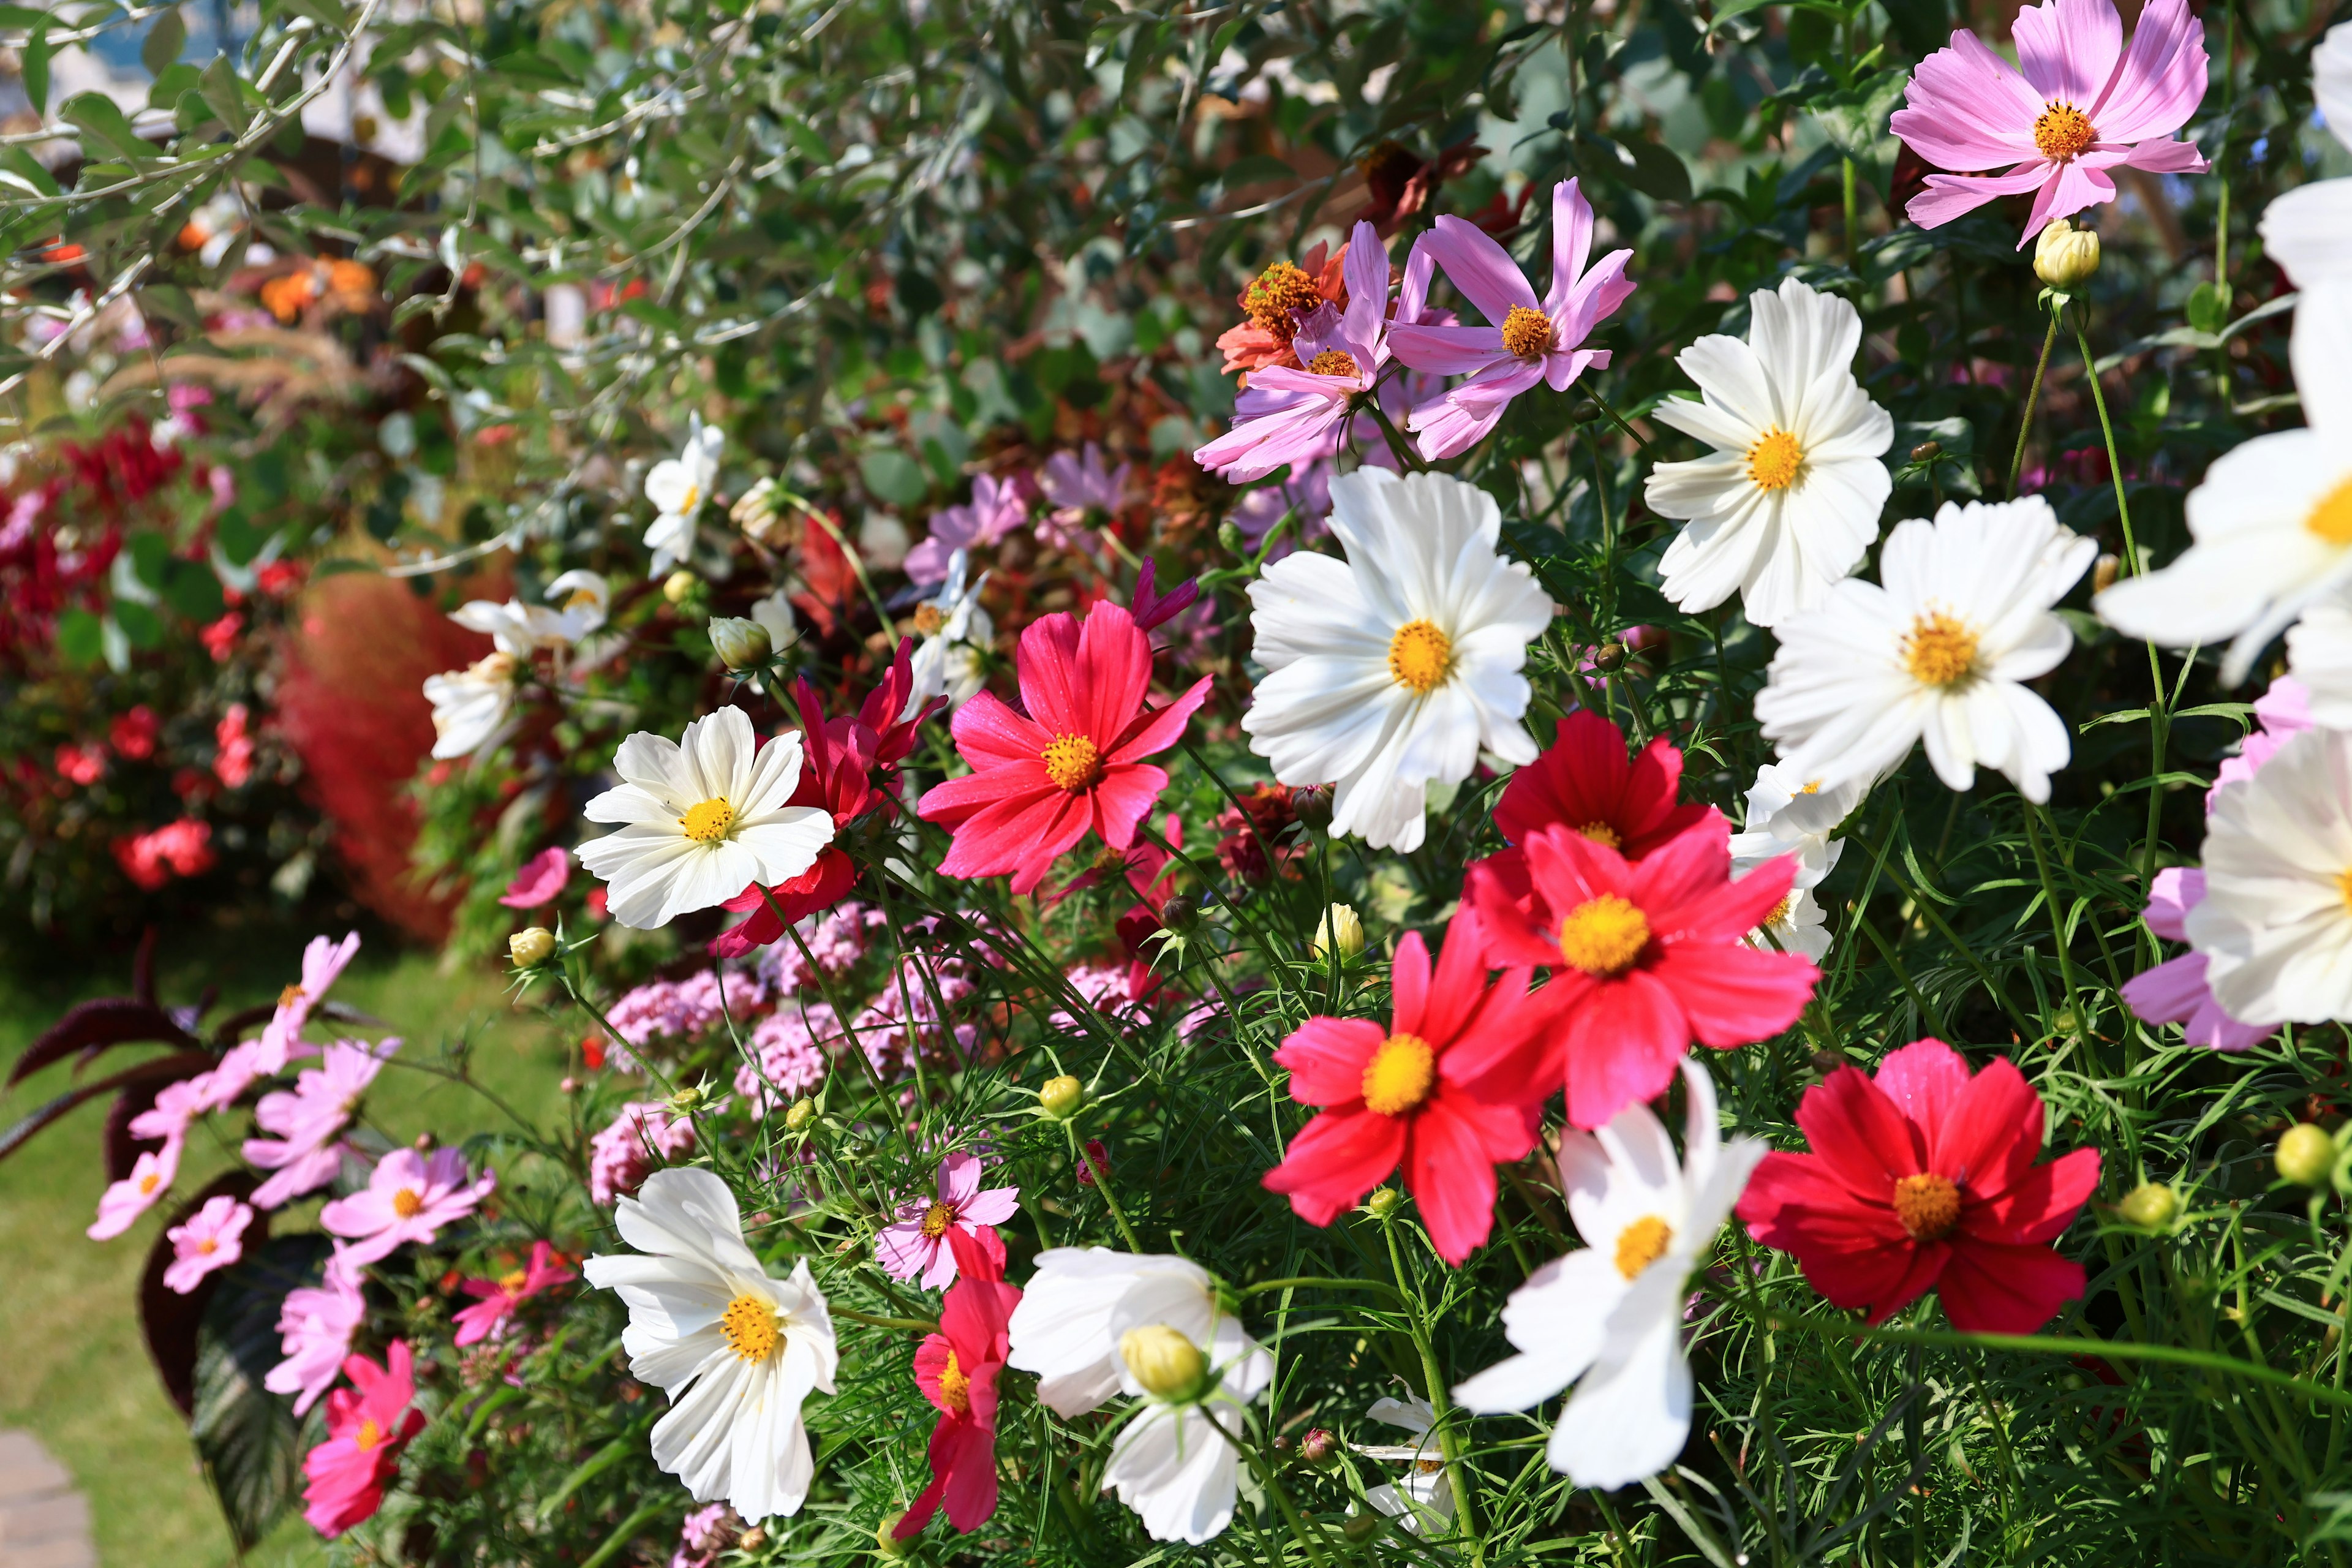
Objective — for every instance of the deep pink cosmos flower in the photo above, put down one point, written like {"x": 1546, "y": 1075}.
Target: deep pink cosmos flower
{"x": 309, "y": 1121}
{"x": 2080, "y": 106}
{"x": 212, "y": 1237}
{"x": 1073, "y": 762}
{"x": 1530, "y": 341}
{"x": 322, "y": 961}
{"x": 315, "y": 1328}
{"x": 346, "y": 1475}
{"x": 123, "y": 1202}
{"x": 409, "y": 1197}
{"x": 542, "y": 877}
{"x": 496, "y": 1300}
{"x": 2176, "y": 991}
{"x": 957, "y": 1369}
{"x": 918, "y": 1243}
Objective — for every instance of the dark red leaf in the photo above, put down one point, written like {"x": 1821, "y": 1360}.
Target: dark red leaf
{"x": 157, "y": 1073}
{"x": 171, "y": 1320}
{"x": 94, "y": 1025}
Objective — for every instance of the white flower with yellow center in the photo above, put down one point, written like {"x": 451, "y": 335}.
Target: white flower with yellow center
{"x": 471, "y": 706}
{"x": 956, "y": 633}
{"x": 1787, "y": 815}
{"x": 1789, "y": 502}
{"x": 702, "y": 819}
{"x": 1421, "y": 1499}
{"x": 1937, "y": 651}
{"x": 1388, "y": 671}
{"x": 2276, "y": 923}
{"x": 677, "y": 487}
{"x": 1608, "y": 1319}
{"x": 737, "y": 1351}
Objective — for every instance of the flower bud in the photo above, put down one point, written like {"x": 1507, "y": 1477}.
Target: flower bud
{"x": 1362, "y": 1526}
{"x": 758, "y": 507}
{"x": 1383, "y": 1202}
{"x": 1162, "y": 1361}
{"x": 681, "y": 585}
{"x": 2103, "y": 573}
{"x": 1312, "y": 807}
{"x": 885, "y": 1537}
{"x": 1341, "y": 930}
{"x": 1061, "y": 1098}
{"x": 752, "y": 1538}
{"x": 1319, "y": 1447}
{"x": 1926, "y": 451}
{"x": 2150, "y": 1205}
{"x": 800, "y": 1114}
{"x": 2304, "y": 1154}
{"x": 1229, "y": 534}
{"x": 1180, "y": 914}
{"x": 530, "y": 947}
{"x": 691, "y": 1099}
{"x": 2065, "y": 257}
{"x": 1609, "y": 656}
{"x": 740, "y": 644}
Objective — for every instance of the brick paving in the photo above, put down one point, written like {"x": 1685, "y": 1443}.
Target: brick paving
{"x": 43, "y": 1521}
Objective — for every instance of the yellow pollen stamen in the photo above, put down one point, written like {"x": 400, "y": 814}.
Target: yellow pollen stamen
{"x": 2343, "y": 891}
{"x": 1602, "y": 834}
{"x": 289, "y": 996}
{"x": 690, "y": 501}
{"x": 368, "y": 1436}
{"x": 1420, "y": 656}
{"x": 1813, "y": 786}
{"x": 1775, "y": 460}
{"x": 1335, "y": 362}
{"x": 1941, "y": 650}
{"x": 512, "y": 1283}
{"x": 1641, "y": 1244}
{"x": 149, "y": 1182}
{"x": 1072, "y": 761}
{"x": 708, "y": 822}
{"x": 407, "y": 1203}
{"x": 929, "y": 619}
{"x": 1604, "y": 936}
{"x": 1278, "y": 291}
{"x": 1400, "y": 1074}
{"x": 1928, "y": 1206}
{"x": 579, "y": 599}
{"x": 208, "y": 1247}
{"x": 749, "y": 1326}
{"x": 1780, "y": 910}
{"x": 955, "y": 1387}
{"x": 2063, "y": 133}
{"x": 1527, "y": 334}
{"x": 2331, "y": 519}
{"x": 936, "y": 1220}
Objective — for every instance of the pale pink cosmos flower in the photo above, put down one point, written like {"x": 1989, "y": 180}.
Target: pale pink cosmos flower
{"x": 1076, "y": 487}
{"x": 123, "y": 1203}
{"x": 2175, "y": 992}
{"x": 2282, "y": 712}
{"x": 542, "y": 878}
{"x": 212, "y": 1237}
{"x": 177, "y": 1108}
{"x": 409, "y": 1197}
{"x": 241, "y": 1066}
{"x": 997, "y": 507}
{"x": 315, "y": 1326}
{"x": 1530, "y": 341}
{"x": 309, "y": 1121}
{"x": 918, "y": 1244}
{"x": 2075, "y": 106}
{"x": 322, "y": 961}
{"x": 496, "y": 1300}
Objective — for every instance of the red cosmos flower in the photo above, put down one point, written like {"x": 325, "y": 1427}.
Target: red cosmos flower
{"x": 496, "y": 1300}
{"x": 956, "y": 1369}
{"x": 346, "y": 1475}
{"x": 849, "y": 766}
{"x": 1584, "y": 781}
{"x": 1923, "y": 1178}
{"x": 1071, "y": 764}
{"x": 1406, "y": 1095}
{"x": 1645, "y": 957}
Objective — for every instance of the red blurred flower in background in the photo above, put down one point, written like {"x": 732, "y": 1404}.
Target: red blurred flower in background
{"x": 956, "y": 1369}
{"x": 182, "y": 848}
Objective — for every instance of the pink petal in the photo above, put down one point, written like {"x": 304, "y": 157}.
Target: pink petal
{"x": 1968, "y": 108}
{"x": 2068, "y": 49}
{"x": 2162, "y": 79}
{"x": 1572, "y": 240}
{"x": 1947, "y": 197}
{"x": 1482, "y": 270}
{"x": 1448, "y": 351}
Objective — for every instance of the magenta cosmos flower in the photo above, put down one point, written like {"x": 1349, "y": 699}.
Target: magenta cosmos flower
{"x": 496, "y": 1300}
{"x": 1530, "y": 341}
{"x": 918, "y": 1244}
{"x": 542, "y": 877}
{"x": 322, "y": 961}
{"x": 409, "y": 1197}
{"x": 212, "y": 1237}
{"x": 309, "y": 1121}
{"x": 2075, "y": 106}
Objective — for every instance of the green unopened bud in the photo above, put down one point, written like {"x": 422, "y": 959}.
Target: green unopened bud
{"x": 740, "y": 644}
{"x": 2150, "y": 1205}
{"x": 1383, "y": 1202}
{"x": 885, "y": 1537}
{"x": 1061, "y": 1098}
{"x": 1312, "y": 807}
{"x": 692, "y": 1098}
{"x": 2065, "y": 257}
{"x": 1341, "y": 930}
{"x": 799, "y": 1115}
{"x": 1162, "y": 1361}
{"x": 2306, "y": 1155}
{"x": 679, "y": 585}
{"x": 1229, "y": 534}
{"x": 1361, "y": 1528}
{"x": 1180, "y": 914}
{"x": 530, "y": 947}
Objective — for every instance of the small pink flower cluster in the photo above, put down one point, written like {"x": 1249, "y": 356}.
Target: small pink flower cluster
{"x": 793, "y": 1046}
{"x": 682, "y": 1009}
{"x": 836, "y": 940}
{"x": 903, "y": 1016}
{"x": 706, "y": 1534}
{"x": 645, "y": 1134}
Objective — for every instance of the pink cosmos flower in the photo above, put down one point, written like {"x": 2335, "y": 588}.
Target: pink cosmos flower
{"x": 346, "y": 1475}
{"x": 2080, "y": 106}
{"x": 918, "y": 1244}
{"x": 1078, "y": 487}
{"x": 1529, "y": 340}
{"x": 2175, "y": 991}
{"x": 542, "y": 878}
{"x": 309, "y": 1121}
{"x": 149, "y": 1178}
{"x": 212, "y": 1237}
{"x": 997, "y": 507}
{"x": 409, "y": 1197}
{"x": 498, "y": 1298}
{"x": 2282, "y": 712}
{"x": 315, "y": 1328}
{"x": 321, "y": 962}
{"x": 177, "y": 1108}
{"x": 240, "y": 1065}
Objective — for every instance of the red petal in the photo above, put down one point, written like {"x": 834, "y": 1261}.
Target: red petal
{"x": 1989, "y": 1289}
{"x": 1450, "y": 1169}
{"x": 950, "y": 802}
{"x": 1514, "y": 1051}
{"x": 1120, "y": 799}
{"x": 2038, "y": 1206}
{"x": 1688, "y": 890}
{"x": 970, "y": 1477}
{"x": 1408, "y": 989}
{"x": 1858, "y": 1135}
{"x": 989, "y": 734}
{"x": 1326, "y": 1059}
{"x": 1509, "y": 912}
{"x": 1113, "y": 673}
{"x": 1925, "y": 1079}
{"x": 1580, "y": 778}
{"x": 1016, "y": 836}
{"x": 1623, "y": 1040}
{"x": 1051, "y": 686}
{"x": 1337, "y": 1158}
{"x": 1991, "y": 1134}
{"x": 1151, "y": 733}
{"x": 1732, "y": 994}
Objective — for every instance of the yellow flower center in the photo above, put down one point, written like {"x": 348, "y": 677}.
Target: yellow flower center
{"x": 1601, "y": 833}
{"x": 1527, "y": 334}
{"x": 368, "y": 1436}
{"x": 407, "y": 1203}
{"x": 955, "y": 1388}
{"x": 206, "y": 1247}
{"x": 1774, "y": 460}
{"x": 2332, "y": 518}
{"x": 2343, "y": 891}
{"x": 1072, "y": 761}
{"x": 1335, "y": 362}
{"x": 1780, "y": 910}
{"x": 1928, "y": 1205}
{"x": 580, "y": 599}
{"x": 936, "y": 1220}
{"x": 289, "y": 996}
{"x": 1641, "y": 1244}
{"x": 512, "y": 1283}
{"x": 1811, "y": 787}
{"x": 1941, "y": 650}
{"x": 929, "y": 619}
{"x": 2063, "y": 133}
{"x": 149, "y": 1182}
{"x": 1420, "y": 656}
{"x": 687, "y": 502}
{"x": 1277, "y": 291}
{"x": 1400, "y": 1074}
{"x": 1603, "y": 936}
{"x": 749, "y": 1325}
{"x": 707, "y": 821}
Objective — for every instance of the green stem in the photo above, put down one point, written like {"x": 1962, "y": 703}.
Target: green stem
{"x": 2099, "y": 400}
{"x": 2057, "y": 923}
{"x": 908, "y": 1325}
{"x": 2032, "y": 396}
{"x": 1101, "y": 1174}
{"x": 1439, "y": 1402}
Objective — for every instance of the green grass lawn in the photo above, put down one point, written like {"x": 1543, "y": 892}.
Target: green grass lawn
{"x": 75, "y": 1372}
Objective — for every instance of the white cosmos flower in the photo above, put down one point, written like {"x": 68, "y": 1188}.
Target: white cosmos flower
{"x": 2319, "y": 655}
{"x": 580, "y": 599}
{"x": 472, "y": 707}
{"x": 677, "y": 487}
{"x": 1789, "y": 502}
{"x": 1608, "y": 1319}
{"x": 1061, "y": 1329}
{"x": 1388, "y": 671}
{"x": 1786, "y": 803}
{"x": 1937, "y": 651}
{"x": 2276, "y": 923}
{"x": 1787, "y": 815}
{"x": 737, "y": 1351}
{"x": 2308, "y": 231}
{"x": 704, "y": 818}
{"x": 956, "y": 632}
{"x": 1423, "y": 1498}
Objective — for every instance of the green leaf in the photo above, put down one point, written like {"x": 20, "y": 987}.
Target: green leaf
{"x": 35, "y": 67}
{"x": 894, "y": 477}
{"x": 1855, "y": 118}
{"x": 192, "y": 590}
{"x": 102, "y": 117}
{"x": 2208, "y": 311}
{"x": 239, "y": 540}
{"x": 250, "y": 1444}
{"x": 81, "y": 637}
{"x": 151, "y": 558}
{"x": 220, "y": 89}
{"x": 1651, "y": 168}
{"x": 141, "y": 626}
{"x": 164, "y": 43}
